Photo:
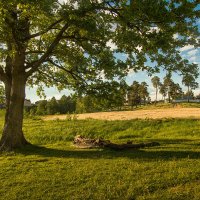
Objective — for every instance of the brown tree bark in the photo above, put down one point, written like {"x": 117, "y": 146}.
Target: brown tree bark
{"x": 188, "y": 91}
{"x": 13, "y": 136}
{"x": 156, "y": 94}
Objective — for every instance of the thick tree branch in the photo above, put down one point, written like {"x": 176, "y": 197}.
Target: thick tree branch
{"x": 52, "y": 77}
{"x": 59, "y": 66}
{"x": 129, "y": 24}
{"x": 74, "y": 37}
{"x": 75, "y": 76}
{"x": 44, "y": 31}
{"x": 36, "y": 51}
{"x": 35, "y": 64}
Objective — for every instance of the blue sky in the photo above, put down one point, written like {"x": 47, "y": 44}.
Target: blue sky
{"x": 188, "y": 52}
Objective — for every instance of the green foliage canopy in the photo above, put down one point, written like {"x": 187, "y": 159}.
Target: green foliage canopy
{"x": 67, "y": 43}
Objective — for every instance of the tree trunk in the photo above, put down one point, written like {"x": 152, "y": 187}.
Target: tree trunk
{"x": 7, "y": 94}
{"x": 13, "y": 136}
{"x": 188, "y": 100}
{"x": 156, "y": 94}
{"x": 169, "y": 98}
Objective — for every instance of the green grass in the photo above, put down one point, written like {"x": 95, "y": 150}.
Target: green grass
{"x": 52, "y": 169}
{"x": 190, "y": 105}
{"x": 165, "y": 106}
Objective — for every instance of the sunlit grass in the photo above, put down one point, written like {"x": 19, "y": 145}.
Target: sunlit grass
{"x": 53, "y": 169}
{"x": 160, "y": 105}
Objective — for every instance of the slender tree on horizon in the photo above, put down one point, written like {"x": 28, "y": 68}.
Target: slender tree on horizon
{"x": 191, "y": 84}
{"x": 163, "y": 91}
{"x": 156, "y": 83}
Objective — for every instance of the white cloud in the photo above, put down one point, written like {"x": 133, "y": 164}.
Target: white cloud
{"x": 175, "y": 36}
{"x": 139, "y": 48}
{"x": 63, "y": 1}
{"x": 196, "y": 92}
{"x": 131, "y": 73}
{"x": 102, "y": 76}
{"x": 154, "y": 29}
{"x": 192, "y": 52}
{"x": 69, "y": 2}
{"x": 153, "y": 96}
{"x": 57, "y": 96}
{"x": 186, "y": 48}
{"x": 111, "y": 44}
{"x": 193, "y": 59}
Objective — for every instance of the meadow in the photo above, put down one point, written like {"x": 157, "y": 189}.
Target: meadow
{"x": 53, "y": 169}
{"x": 152, "y": 111}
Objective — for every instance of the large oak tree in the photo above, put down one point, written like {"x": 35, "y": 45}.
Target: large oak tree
{"x": 67, "y": 45}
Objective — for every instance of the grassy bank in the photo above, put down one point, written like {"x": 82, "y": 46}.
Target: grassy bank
{"x": 54, "y": 169}
{"x": 166, "y": 106}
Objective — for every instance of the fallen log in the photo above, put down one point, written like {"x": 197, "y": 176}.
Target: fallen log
{"x": 87, "y": 143}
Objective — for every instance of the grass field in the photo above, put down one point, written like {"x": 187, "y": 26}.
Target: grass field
{"x": 52, "y": 169}
{"x": 157, "y": 113}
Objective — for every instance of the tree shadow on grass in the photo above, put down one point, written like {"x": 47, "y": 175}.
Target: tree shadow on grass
{"x": 175, "y": 141}
{"x": 144, "y": 154}
{"x": 178, "y": 143}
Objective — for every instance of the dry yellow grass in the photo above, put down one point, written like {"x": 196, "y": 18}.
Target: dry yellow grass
{"x": 142, "y": 114}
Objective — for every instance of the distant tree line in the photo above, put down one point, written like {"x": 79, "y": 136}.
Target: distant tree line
{"x": 137, "y": 94}
{"x": 171, "y": 91}
{"x": 115, "y": 96}
{"x": 66, "y": 104}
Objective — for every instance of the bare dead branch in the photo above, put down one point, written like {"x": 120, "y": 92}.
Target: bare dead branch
{"x": 36, "y": 51}
{"x": 81, "y": 142}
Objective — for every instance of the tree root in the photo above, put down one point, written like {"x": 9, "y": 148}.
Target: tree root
{"x": 7, "y": 145}
{"x": 86, "y": 143}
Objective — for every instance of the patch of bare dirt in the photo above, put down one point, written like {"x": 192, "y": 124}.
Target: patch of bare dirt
{"x": 141, "y": 114}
